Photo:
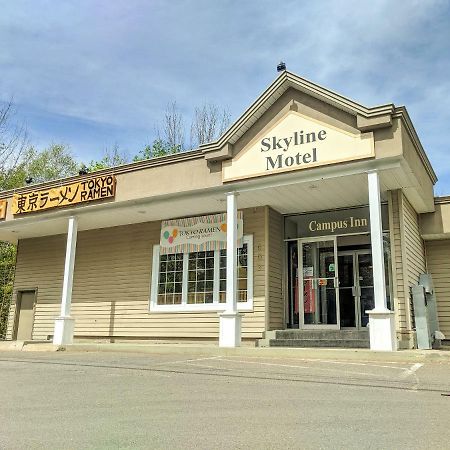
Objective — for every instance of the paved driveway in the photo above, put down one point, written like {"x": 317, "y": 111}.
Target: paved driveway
{"x": 122, "y": 400}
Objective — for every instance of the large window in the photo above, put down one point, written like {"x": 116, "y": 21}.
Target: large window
{"x": 197, "y": 281}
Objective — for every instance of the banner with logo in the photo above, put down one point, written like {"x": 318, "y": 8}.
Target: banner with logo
{"x": 197, "y": 234}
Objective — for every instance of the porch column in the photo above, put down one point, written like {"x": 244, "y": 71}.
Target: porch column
{"x": 64, "y": 324}
{"x": 230, "y": 320}
{"x": 381, "y": 319}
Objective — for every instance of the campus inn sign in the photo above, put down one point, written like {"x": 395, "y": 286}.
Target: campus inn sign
{"x": 338, "y": 222}
{"x": 295, "y": 143}
{"x": 69, "y": 194}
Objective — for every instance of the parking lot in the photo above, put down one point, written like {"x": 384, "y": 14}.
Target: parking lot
{"x": 163, "y": 400}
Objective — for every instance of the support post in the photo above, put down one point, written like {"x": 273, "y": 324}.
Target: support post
{"x": 381, "y": 319}
{"x": 230, "y": 320}
{"x": 64, "y": 324}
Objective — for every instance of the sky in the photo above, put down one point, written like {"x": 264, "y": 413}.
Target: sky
{"x": 93, "y": 74}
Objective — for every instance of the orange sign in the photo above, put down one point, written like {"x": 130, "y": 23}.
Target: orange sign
{"x": 3, "y": 206}
{"x": 323, "y": 281}
{"x": 71, "y": 194}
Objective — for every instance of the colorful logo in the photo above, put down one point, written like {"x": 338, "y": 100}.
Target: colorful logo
{"x": 170, "y": 237}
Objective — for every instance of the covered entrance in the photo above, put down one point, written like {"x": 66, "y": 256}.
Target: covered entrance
{"x": 330, "y": 278}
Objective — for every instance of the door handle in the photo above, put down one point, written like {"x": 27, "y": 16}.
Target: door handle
{"x": 354, "y": 291}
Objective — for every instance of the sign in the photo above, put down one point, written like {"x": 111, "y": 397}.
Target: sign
{"x": 339, "y": 222}
{"x": 70, "y": 194}
{"x": 196, "y": 234}
{"x": 3, "y": 207}
{"x": 297, "y": 142}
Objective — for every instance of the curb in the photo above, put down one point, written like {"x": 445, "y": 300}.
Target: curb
{"x": 340, "y": 354}
{"x": 268, "y": 352}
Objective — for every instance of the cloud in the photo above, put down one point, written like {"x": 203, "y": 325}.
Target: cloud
{"x": 117, "y": 64}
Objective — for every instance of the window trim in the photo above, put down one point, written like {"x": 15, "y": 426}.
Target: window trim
{"x": 209, "y": 307}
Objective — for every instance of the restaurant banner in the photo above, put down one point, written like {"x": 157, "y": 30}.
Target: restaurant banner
{"x": 197, "y": 234}
{"x": 70, "y": 194}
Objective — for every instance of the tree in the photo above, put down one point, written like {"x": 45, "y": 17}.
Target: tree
{"x": 171, "y": 131}
{"x": 157, "y": 149}
{"x": 52, "y": 163}
{"x": 111, "y": 158}
{"x": 208, "y": 124}
{"x": 7, "y": 266}
{"x": 14, "y": 143}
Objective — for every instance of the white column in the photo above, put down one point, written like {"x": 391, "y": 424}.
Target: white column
{"x": 230, "y": 320}
{"x": 381, "y": 319}
{"x": 64, "y": 324}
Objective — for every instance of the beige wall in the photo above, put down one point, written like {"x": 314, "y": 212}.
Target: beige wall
{"x": 438, "y": 263}
{"x": 275, "y": 244}
{"x": 112, "y": 284}
{"x": 408, "y": 262}
{"x": 436, "y": 225}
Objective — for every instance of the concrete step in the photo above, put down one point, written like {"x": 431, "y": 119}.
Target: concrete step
{"x": 322, "y": 334}
{"x": 327, "y": 343}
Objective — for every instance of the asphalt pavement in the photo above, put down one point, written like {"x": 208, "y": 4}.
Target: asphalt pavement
{"x": 183, "y": 400}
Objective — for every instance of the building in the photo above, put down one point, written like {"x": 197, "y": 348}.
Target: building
{"x": 327, "y": 204}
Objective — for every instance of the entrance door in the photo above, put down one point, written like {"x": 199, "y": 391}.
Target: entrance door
{"x": 355, "y": 288}
{"x": 25, "y": 306}
{"x": 318, "y": 283}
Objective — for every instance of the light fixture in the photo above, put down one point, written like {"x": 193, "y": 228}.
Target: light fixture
{"x": 281, "y": 67}
{"x": 83, "y": 170}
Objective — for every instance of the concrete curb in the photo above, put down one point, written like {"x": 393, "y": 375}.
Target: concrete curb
{"x": 441, "y": 356}
{"x": 269, "y": 352}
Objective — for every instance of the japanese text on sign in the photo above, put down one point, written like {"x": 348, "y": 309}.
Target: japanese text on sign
{"x": 70, "y": 194}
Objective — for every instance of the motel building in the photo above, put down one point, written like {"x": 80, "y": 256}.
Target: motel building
{"x": 308, "y": 223}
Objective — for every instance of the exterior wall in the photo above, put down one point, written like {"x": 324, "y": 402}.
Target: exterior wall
{"x": 111, "y": 287}
{"x": 438, "y": 264}
{"x": 436, "y": 225}
{"x": 408, "y": 262}
{"x": 419, "y": 171}
{"x": 276, "y": 306}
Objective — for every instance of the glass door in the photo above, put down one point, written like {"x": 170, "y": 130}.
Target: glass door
{"x": 318, "y": 283}
{"x": 365, "y": 287}
{"x": 347, "y": 290}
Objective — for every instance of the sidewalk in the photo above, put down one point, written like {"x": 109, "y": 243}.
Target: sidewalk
{"x": 211, "y": 349}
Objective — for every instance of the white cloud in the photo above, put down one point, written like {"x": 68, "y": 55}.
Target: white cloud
{"x": 119, "y": 63}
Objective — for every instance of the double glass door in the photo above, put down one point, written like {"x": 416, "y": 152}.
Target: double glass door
{"x": 327, "y": 288}
{"x": 356, "y": 294}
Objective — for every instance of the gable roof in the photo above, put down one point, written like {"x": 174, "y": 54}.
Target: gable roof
{"x": 287, "y": 80}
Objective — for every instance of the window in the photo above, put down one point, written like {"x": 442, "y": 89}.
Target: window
{"x": 197, "y": 281}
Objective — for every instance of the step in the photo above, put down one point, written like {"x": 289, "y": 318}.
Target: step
{"x": 322, "y": 334}
{"x": 328, "y": 343}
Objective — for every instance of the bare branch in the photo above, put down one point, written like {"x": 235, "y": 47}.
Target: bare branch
{"x": 208, "y": 123}
{"x": 172, "y": 130}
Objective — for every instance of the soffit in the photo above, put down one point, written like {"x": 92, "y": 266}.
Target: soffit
{"x": 289, "y": 196}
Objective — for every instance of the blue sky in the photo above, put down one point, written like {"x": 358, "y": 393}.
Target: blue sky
{"x": 92, "y": 73}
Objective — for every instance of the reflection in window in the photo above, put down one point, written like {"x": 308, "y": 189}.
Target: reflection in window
{"x": 170, "y": 279}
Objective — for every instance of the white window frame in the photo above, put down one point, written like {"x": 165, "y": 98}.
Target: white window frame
{"x": 215, "y": 306}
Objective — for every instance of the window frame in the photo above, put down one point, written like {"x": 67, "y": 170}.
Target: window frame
{"x": 205, "y": 307}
